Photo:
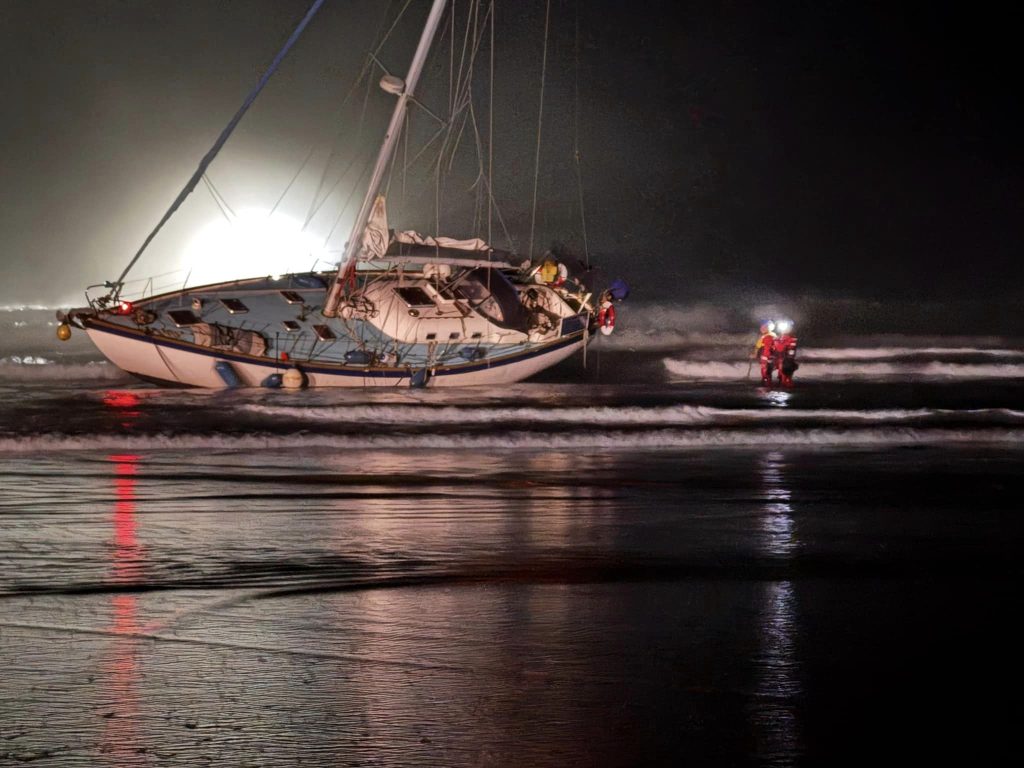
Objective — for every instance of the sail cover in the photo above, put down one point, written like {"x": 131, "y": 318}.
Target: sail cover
{"x": 415, "y": 238}
{"x": 375, "y": 236}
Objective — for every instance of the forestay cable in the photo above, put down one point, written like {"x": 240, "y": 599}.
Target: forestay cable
{"x": 215, "y": 149}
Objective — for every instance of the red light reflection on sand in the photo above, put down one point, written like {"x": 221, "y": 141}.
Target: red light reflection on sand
{"x": 127, "y": 557}
{"x": 121, "y": 670}
{"x": 124, "y": 404}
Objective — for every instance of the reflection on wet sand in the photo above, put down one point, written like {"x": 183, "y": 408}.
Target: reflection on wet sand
{"x": 777, "y": 666}
{"x": 119, "y": 696}
{"x": 422, "y": 608}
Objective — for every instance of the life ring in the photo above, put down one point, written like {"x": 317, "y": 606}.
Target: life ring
{"x": 606, "y": 318}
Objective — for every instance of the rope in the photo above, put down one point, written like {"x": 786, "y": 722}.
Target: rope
{"x": 219, "y": 199}
{"x": 540, "y": 120}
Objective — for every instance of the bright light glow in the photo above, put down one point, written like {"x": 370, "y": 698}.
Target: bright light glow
{"x": 784, "y": 326}
{"x": 254, "y": 244}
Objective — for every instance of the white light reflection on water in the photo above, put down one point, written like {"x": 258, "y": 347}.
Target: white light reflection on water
{"x": 777, "y": 666}
{"x": 777, "y": 520}
{"x": 777, "y": 398}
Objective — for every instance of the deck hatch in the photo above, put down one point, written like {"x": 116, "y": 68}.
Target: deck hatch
{"x": 234, "y": 306}
{"x": 324, "y": 333}
{"x": 414, "y": 296}
{"x": 182, "y": 317}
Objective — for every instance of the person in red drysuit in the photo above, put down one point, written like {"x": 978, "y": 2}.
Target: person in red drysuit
{"x": 785, "y": 353}
{"x": 764, "y": 351}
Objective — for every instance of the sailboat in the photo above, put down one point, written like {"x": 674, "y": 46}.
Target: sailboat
{"x": 401, "y": 309}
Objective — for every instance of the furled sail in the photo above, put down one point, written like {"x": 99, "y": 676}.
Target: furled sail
{"x": 375, "y": 237}
{"x": 415, "y": 238}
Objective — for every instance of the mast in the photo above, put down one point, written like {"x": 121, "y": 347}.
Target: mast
{"x": 404, "y": 91}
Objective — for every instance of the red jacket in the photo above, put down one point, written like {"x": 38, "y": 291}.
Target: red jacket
{"x": 784, "y": 346}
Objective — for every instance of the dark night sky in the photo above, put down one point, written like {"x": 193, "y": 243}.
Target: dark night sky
{"x": 843, "y": 149}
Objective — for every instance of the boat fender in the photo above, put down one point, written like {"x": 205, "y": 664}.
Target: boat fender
{"x": 358, "y": 357}
{"x": 419, "y": 378}
{"x": 619, "y": 289}
{"x": 227, "y": 374}
{"x": 273, "y": 381}
{"x": 293, "y": 378}
{"x": 63, "y": 331}
{"x": 606, "y": 317}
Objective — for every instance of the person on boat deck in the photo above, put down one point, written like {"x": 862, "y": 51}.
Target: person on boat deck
{"x": 764, "y": 351}
{"x": 785, "y": 353}
{"x": 553, "y": 273}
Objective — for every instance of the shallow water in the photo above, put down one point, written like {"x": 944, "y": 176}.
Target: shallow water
{"x": 613, "y": 568}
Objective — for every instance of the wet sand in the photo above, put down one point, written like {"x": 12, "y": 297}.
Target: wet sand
{"x": 737, "y": 607}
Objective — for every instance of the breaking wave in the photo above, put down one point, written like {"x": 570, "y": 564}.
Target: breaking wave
{"x": 31, "y": 369}
{"x": 889, "y": 353}
{"x": 667, "y": 416}
{"x": 738, "y": 371}
{"x": 591, "y": 441}
{"x": 654, "y": 326}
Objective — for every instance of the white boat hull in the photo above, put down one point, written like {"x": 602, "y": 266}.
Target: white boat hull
{"x": 177, "y": 364}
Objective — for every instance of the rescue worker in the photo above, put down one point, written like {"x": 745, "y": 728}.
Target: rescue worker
{"x": 764, "y": 352}
{"x": 785, "y": 353}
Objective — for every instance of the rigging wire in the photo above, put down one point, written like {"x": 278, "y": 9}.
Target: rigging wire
{"x": 288, "y": 186}
{"x": 221, "y": 140}
{"x": 540, "y": 120}
{"x": 576, "y": 133}
{"x": 490, "y": 131}
{"x": 317, "y": 202}
{"x": 219, "y": 199}
{"x": 348, "y": 200}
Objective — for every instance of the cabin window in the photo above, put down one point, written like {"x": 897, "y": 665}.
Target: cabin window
{"x": 234, "y": 306}
{"x": 414, "y": 296}
{"x": 292, "y": 297}
{"x": 183, "y": 317}
{"x": 431, "y": 336}
{"x": 477, "y": 335}
{"x": 490, "y": 294}
{"x": 291, "y": 326}
{"x": 323, "y": 333}
{"x": 453, "y": 335}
